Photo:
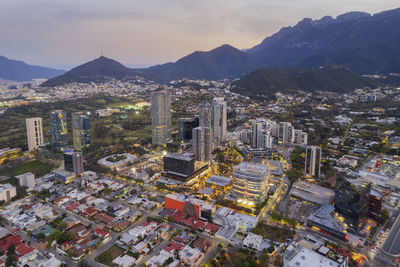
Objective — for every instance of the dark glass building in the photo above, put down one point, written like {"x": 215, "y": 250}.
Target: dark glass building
{"x": 59, "y": 131}
{"x": 355, "y": 203}
{"x": 186, "y": 126}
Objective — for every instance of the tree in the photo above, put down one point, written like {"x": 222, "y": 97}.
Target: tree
{"x": 11, "y": 259}
{"x": 11, "y": 250}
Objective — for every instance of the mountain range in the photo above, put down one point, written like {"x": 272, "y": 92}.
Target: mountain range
{"x": 15, "y": 70}
{"x": 269, "y": 81}
{"x": 362, "y": 42}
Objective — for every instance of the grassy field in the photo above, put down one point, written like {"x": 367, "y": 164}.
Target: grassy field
{"x": 36, "y": 167}
{"x": 272, "y": 232}
{"x": 109, "y": 255}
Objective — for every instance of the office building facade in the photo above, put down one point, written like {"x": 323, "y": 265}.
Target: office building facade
{"x": 250, "y": 181}
{"x": 201, "y": 143}
{"x": 180, "y": 167}
{"x": 313, "y": 161}
{"x": 34, "y": 133}
{"x": 186, "y": 126}
{"x": 73, "y": 162}
{"x": 161, "y": 118}
{"x": 59, "y": 131}
{"x": 80, "y": 130}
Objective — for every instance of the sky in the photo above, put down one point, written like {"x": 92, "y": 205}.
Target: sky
{"x": 138, "y": 33}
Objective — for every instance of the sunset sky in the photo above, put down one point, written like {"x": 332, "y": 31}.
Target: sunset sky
{"x": 66, "y": 33}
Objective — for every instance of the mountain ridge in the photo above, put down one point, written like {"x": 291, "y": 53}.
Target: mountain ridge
{"x": 17, "y": 70}
{"x": 362, "y": 42}
{"x": 269, "y": 81}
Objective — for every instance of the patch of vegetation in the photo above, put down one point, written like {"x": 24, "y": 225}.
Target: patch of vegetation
{"x": 38, "y": 168}
{"x": 109, "y": 255}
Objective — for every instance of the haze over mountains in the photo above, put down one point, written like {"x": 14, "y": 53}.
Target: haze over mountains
{"x": 362, "y": 42}
{"x": 20, "y": 71}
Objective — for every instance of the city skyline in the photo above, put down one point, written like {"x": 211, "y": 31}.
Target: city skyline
{"x": 79, "y": 32}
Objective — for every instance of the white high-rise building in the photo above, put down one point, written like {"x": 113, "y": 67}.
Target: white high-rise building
{"x": 26, "y": 179}
{"x": 261, "y": 134}
{"x": 219, "y": 117}
{"x": 161, "y": 118}
{"x": 34, "y": 133}
{"x": 313, "y": 161}
{"x": 201, "y": 143}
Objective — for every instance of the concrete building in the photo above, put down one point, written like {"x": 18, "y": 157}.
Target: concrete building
{"x": 73, "y": 162}
{"x": 161, "y": 118}
{"x": 34, "y": 133}
{"x": 219, "y": 117}
{"x": 313, "y": 161}
{"x": 80, "y": 130}
{"x": 59, "y": 131}
{"x": 201, "y": 143}
{"x": 26, "y": 179}
{"x": 7, "y": 192}
{"x": 312, "y": 193}
{"x": 300, "y": 137}
{"x": 299, "y": 256}
{"x": 250, "y": 181}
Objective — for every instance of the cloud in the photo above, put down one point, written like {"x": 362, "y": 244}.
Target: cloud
{"x": 69, "y": 32}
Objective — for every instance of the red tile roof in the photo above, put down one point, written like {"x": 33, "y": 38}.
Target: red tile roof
{"x": 72, "y": 206}
{"x": 101, "y": 232}
{"x": 22, "y": 249}
{"x": 9, "y": 240}
{"x": 173, "y": 246}
{"x": 213, "y": 228}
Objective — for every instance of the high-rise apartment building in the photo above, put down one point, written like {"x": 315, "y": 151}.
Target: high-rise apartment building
{"x": 161, "y": 118}
{"x": 313, "y": 161}
{"x": 80, "y": 130}
{"x": 201, "y": 143}
{"x": 59, "y": 131}
{"x": 250, "y": 181}
{"x": 285, "y": 132}
{"x": 219, "y": 117}
{"x": 34, "y": 133}
{"x": 261, "y": 134}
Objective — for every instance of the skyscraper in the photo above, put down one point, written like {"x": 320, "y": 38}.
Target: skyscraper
{"x": 286, "y": 132}
{"x": 59, "y": 131}
{"x": 161, "y": 118}
{"x": 80, "y": 130}
{"x": 205, "y": 113}
{"x": 261, "y": 134}
{"x": 201, "y": 143}
{"x": 219, "y": 116}
{"x": 186, "y": 126}
{"x": 313, "y": 161}
{"x": 34, "y": 133}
